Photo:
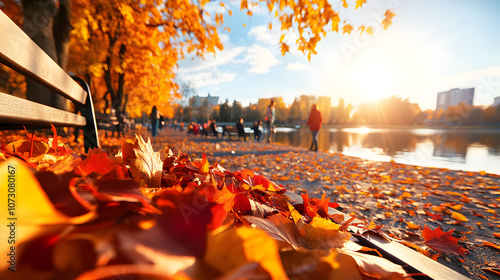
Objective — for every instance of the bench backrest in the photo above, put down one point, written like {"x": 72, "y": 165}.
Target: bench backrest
{"x": 21, "y": 54}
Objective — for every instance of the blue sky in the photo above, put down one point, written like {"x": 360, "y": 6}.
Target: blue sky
{"x": 431, "y": 46}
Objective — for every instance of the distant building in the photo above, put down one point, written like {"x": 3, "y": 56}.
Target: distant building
{"x": 496, "y": 101}
{"x": 199, "y": 101}
{"x": 454, "y": 96}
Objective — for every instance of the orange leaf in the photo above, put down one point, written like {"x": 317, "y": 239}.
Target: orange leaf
{"x": 388, "y": 18}
{"x": 411, "y": 225}
{"x": 492, "y": 245}
{"x": 284, "y": 48}
{"x": 459, "y": 217}
{"x": 347, "y": 29}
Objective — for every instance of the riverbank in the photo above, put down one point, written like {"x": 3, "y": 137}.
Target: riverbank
{"x": 402, "y": 198}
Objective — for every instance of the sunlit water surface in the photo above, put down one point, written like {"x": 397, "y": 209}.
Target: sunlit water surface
{"x": 467, "y": 149}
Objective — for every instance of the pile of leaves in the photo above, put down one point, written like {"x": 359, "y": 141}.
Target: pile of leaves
{"x": 136, "y": 213}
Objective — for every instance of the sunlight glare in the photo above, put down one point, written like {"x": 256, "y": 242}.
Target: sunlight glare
{"x": 374, "y": 81}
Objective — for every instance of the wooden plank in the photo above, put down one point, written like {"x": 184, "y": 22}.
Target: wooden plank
{"x": 15, "y": 110}
{"x": 402, "y": 254}
{"x": 20, "y": 53}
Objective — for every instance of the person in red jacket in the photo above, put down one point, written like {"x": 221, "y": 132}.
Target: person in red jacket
{"x": 314, "y": 123}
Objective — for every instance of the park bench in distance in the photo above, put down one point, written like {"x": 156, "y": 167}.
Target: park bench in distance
{"x": 21, "y": 54}
{"x": 230, "y": 130}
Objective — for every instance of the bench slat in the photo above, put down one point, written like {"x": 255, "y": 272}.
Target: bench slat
{"x": 20, "y": 53}
{"x": 15, "y": 110}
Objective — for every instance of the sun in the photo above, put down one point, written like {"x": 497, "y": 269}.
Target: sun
{"x": 374, "y": 82}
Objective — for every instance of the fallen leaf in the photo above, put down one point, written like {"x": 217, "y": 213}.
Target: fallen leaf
{"x": 459, "y": 217}
{"x": 441, "y": 241}
{"x": 232, "y": 249}
{"x": 278, "y": 227}
{"x": 147, "y": 164}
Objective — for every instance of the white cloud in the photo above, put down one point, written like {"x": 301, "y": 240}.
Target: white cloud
{"x": 209, "y": 78}
{"x": 260, "y": 9}
{"x": 263, "y": 34}
{"x": 296, "y": 66}
{"x": 260, "y": 59}
{"x": 226, "y": 56}
{"x": 269, "y": 37}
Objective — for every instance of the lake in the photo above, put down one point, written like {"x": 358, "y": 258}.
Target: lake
{"x": 459, "y": 149}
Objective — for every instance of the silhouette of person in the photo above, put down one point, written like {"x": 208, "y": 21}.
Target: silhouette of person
{"x": 270, "y": 118}
{"x": 314, "y": 123}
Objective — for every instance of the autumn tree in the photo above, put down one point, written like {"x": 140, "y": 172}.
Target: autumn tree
{"x": 458, "y": 113}
{"x": 491, "y": 115}
{"x": 236, "y": 111}
{"x": 301, "y": 107}
{"x": 47, "y": 23}
{"x": 128, "y": 49}
{"x": 133, "y": 48}
{"x": 341, "y": 113}
{"x": 389, "y": 111}
{"x": 224, "y": 112}
{"x": 251, "y": 113}
{"x": 325, "y": 107}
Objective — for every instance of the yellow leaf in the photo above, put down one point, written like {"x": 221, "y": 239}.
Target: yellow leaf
{"x": 459, "y": 217}
{"x": 369, "y": 30}
{"x": 362, "y": 28}
{"x": 232, "y": 249}
{"x": 360, "y": 3}
{"x": 230, "y": 12}
{"x": 26, "y": 209}
{"x": 323, "y": 232}
{"x": 344, "y": 3}
{"x": 270, "y": 26}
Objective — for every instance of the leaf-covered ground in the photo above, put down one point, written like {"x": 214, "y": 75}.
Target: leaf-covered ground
{"x": 136, "y": 210}
{"x": 403, "y": 198}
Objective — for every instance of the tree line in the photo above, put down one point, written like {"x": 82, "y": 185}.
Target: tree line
{"x": 388, "y": 111}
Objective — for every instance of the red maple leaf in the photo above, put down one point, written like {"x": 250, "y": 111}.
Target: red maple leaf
{"x": 442, "y": 242}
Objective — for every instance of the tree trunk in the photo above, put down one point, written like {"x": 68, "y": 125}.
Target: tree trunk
{"x": 38, "y": 24}
{"x": 61, "y": 30}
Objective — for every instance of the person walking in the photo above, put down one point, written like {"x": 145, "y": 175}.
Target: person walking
{"x": 155, "y": 118}
{"x": 314, "y": 123}
{"x": 270, "y": 117}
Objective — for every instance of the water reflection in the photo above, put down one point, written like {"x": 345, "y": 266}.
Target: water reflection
{"x": 426, "y": 147}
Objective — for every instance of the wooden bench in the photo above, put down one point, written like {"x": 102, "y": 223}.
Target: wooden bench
{"x": 20, "y": 53}
{"x": 230, "y": 130}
